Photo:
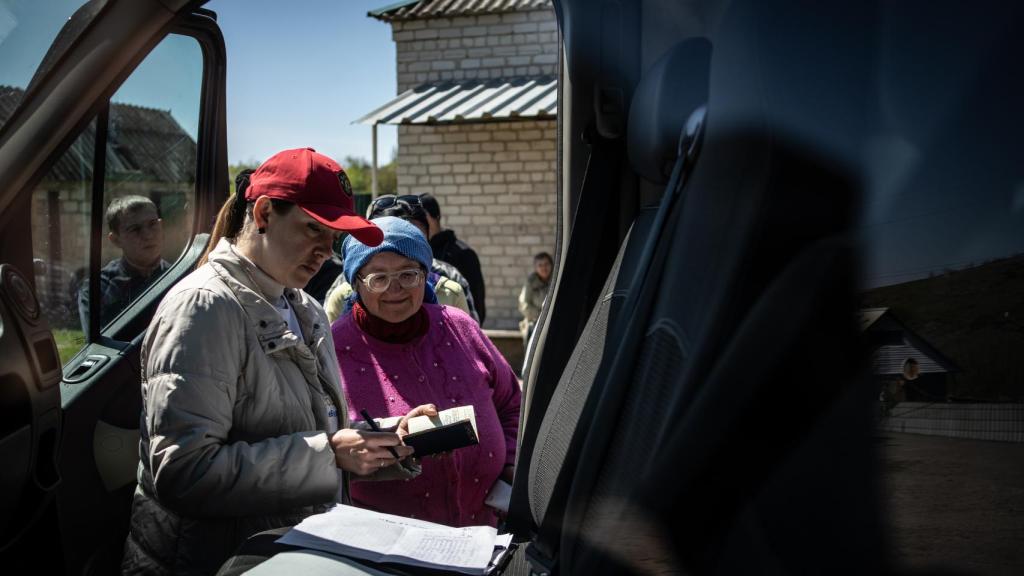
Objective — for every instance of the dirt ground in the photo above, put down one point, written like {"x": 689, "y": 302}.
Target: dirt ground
{"x": 955, "y": 505}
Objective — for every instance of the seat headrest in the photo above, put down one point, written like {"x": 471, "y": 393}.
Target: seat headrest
{"x": 669, "y": 92}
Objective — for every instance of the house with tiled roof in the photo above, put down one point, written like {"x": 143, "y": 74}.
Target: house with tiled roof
{"x": 476, "y": 115}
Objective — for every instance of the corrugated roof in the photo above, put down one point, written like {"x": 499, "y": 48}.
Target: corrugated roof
{"x": 142, "y": 144}
{"x": 148, "y": 144}
{"x": 889, "y": 360}
{"x": 471, "y": 101}
{"x": 416, "y": 9}
{"x": 869, "y": 316}
{"x": 10, "y": 97}
{"x": 898, "y": 343}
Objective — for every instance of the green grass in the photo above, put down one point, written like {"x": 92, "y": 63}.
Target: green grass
{"x": 69, "y": 342}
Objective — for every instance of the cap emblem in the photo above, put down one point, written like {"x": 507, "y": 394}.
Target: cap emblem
{"x": 346, "y": 186}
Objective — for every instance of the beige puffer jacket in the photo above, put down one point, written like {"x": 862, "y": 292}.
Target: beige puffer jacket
{"x": 233, "y": 424}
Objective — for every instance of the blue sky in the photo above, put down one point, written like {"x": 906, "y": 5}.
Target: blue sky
{"x": 300, "y": 72}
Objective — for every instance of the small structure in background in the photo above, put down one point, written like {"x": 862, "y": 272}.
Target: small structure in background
{"x": 476, "y": 111}
{"x": 904, "y": 365}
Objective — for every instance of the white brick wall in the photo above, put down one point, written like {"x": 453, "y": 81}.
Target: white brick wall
{"x": 495, "y": 181}
{"x": 496, "y": 186}
{"x": 488, "y": 46}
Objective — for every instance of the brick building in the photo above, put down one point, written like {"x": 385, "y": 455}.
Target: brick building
{"x": 476, "y": 116}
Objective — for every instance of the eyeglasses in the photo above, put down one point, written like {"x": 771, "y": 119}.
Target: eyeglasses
{"x": 379, "y": 282}
{"x": 389, "y": 200}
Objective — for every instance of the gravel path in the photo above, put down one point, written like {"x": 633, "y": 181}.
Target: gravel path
{"x": 955, "y": 504}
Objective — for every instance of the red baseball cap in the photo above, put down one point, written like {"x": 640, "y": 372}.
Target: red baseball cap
{"x": 316, "y": 184}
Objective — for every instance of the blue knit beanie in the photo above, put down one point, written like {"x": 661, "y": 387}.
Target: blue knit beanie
{"x": 400, "y": 237}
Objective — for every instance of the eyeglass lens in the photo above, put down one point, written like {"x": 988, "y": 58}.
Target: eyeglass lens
{"x": 381, "y": 281}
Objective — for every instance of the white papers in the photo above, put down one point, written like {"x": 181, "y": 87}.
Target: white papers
{"x": 499, "y": 496}
{"x": 378, "y": 537}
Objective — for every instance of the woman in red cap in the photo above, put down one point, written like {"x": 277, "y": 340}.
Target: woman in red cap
{"x": 244, "y": 427}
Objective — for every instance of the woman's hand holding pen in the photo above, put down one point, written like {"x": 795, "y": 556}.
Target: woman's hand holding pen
{"x": 363, "y": 452}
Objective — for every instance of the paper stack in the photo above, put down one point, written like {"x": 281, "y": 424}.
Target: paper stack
{"x": 377, "y": 537}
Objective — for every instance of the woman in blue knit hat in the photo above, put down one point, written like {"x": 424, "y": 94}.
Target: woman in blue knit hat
{"x": 398, "y": 350}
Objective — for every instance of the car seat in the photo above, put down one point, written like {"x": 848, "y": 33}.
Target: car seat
{"x": 712, "y": 417}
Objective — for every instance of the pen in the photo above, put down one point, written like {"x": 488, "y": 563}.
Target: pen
{"x": 373, "y": 426}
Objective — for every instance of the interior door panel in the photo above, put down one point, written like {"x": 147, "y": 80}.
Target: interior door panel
{"x": 30, "y": 419}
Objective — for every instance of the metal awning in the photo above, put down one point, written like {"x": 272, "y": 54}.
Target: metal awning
{"x": 471, "y": 101}
{"x": 419, "y": 9}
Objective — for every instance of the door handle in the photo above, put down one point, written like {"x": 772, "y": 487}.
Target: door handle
{"x": 86, "y": 368}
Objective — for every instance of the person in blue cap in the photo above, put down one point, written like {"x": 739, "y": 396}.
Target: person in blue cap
{"x": 397, "y": 349}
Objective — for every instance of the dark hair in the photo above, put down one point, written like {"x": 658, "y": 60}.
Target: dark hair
{"x": 430, "y": 204}
{"x": 543, "y": 256}
{"x": 123, "y": 205}
{"x": 231, "y": 218}
{"x": 409, "y": 212}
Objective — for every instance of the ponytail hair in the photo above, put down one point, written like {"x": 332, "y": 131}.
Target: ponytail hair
{"x": 231, "y": 217}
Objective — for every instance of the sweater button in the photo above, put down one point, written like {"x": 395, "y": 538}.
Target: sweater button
{"x": 362, "y": 369}
{"x": 476, "y": 480}
{"x": 391, "y": 398}
{"x": 263, "y": 323}
{"x": 435, "y": 364}
{"x": 490, "y": 454}
{"x": 394, "y": 376}
{"x": 472, "y": 516}
{"x": 316, "y": 326}
{"x": 455, "y": 378}
{"x": 453, "y": 400}
{"x": 426, "y": 495}
{"x": 348, "y": 348}
{"x": 272, "y": 345}
{"x": 420, "y": 378}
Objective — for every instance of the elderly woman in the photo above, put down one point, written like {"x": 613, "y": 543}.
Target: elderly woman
{"x": 244, "y": 425}
{"x": 449, "y": 285}
{"x": 397, "y": 350}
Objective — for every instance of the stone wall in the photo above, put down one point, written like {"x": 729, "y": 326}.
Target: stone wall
{"x": 495, "y": 183}
{"x": 487, "y": 46}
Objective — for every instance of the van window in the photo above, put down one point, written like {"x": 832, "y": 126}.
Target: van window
{"x": 147, "y": 190}
{"x": 150, "y": 172}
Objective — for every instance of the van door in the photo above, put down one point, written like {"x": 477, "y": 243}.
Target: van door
{"x": 113, "y": 171}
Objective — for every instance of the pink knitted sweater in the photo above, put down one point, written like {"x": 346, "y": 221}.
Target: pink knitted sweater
{"x": 453, "y": 364}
